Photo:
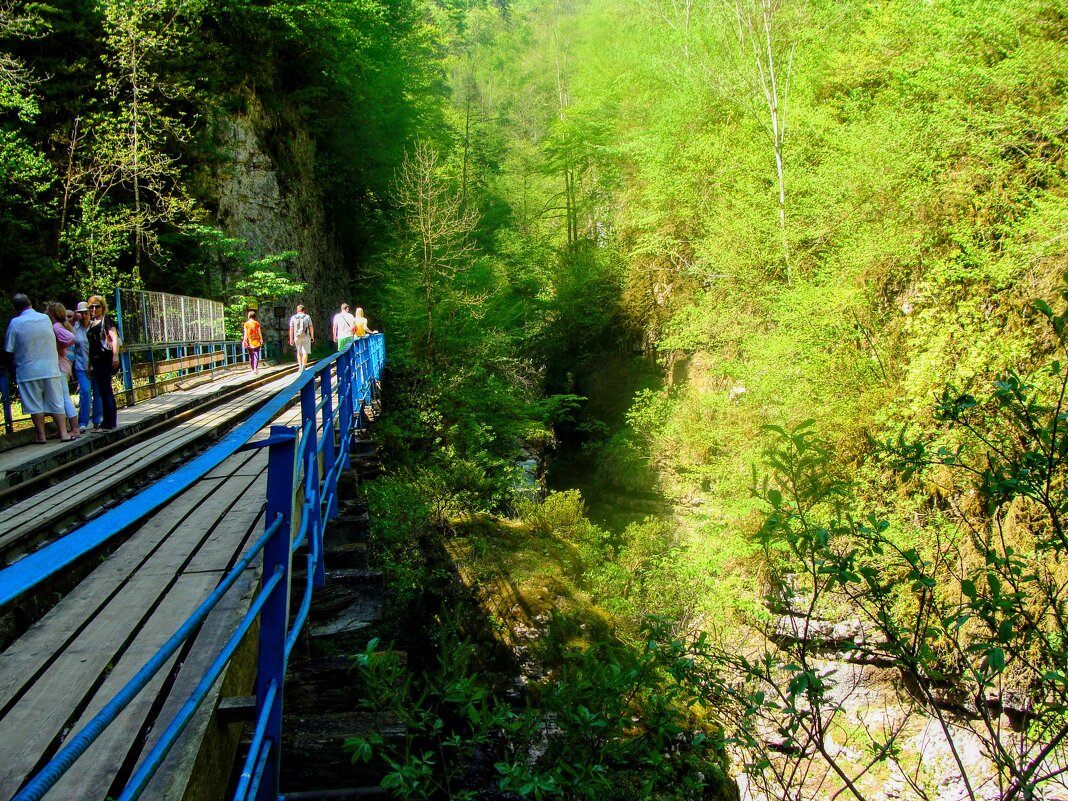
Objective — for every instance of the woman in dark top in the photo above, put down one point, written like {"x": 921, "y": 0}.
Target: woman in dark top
{"x": 103, "y": 359}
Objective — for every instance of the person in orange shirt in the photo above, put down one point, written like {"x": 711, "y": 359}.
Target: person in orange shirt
{"x": 252, "y": 340}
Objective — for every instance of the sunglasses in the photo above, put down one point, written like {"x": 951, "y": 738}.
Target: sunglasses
{"x": 94, "y": 305}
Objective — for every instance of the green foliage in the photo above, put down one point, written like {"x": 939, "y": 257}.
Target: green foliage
{"x": 401, "y": 523}
{"x": 561, "y": 513}
{"x": 448, "y": 718}
{"x": 614, "y": 723}
{"x": 977, "y": 610}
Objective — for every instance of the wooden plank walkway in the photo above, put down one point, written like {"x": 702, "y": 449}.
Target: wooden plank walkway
{"x": 56, "y": 676}
{"x": 75, "y": 499}
{"x": 145, "y": 413}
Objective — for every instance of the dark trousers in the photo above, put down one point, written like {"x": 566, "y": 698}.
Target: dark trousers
{"x": 102, "y": 373}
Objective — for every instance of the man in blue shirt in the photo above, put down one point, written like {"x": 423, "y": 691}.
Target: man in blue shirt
{"x": 32, "y": 345}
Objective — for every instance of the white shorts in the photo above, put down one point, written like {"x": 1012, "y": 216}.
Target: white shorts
{"x": 302, "y": 344}
{"x": 44, "y": 396}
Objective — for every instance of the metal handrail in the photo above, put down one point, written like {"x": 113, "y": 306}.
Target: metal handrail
{"x": 285, "y": 472}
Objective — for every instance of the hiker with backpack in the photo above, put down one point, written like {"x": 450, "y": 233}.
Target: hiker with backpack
{"x": 301, "y": 336}
{"x": 342, "y": 333}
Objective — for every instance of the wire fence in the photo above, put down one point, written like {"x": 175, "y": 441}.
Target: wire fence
{"x": 152, "y": 318}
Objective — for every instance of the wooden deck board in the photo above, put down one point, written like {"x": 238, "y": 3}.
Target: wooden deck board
{"x": 43, "y": 711}
{"x": 26, "y": 657}
{"x": 92, "y": 775}
{"x": 134, "y": 579}
{"x": 67, "y": 497}
{"x": 170, "y": 781}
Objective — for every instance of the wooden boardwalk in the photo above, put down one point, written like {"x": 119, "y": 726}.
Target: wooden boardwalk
{"x": 25, "y": 523}
{"x": 57, "y": 675}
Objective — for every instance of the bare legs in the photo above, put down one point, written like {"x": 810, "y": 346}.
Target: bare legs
{"x": 58, "y": 419}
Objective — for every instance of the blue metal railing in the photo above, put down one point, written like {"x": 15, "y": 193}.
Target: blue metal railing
{"x": 302, "y": 476}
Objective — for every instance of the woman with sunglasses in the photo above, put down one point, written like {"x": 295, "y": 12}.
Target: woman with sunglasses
{"x": 103, "y": 338}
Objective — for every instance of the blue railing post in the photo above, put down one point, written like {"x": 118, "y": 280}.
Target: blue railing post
{"x": 361, "y": 370}
{"x": 312, "y": 490}
{"x": 124, "y": 355}
{"x": 364, "y": 368}
{"x": 344, "y": 395}
{"x": 375, "y": 364}
{"x": 274, "y": 619}
{"x": 330, "y": 490}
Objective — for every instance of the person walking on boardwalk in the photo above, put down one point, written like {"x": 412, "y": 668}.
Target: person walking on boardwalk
{"x": 65, "y": 340}
{"x": 89, "y": 412}
{"x": 359, "y": 325}
{"x": 301, "y": 336}
{"x": 342, "y": 327}
{"x": 252, "y": 340}
{"x": 103, "y": 336}
{"x": 31, "y": 345}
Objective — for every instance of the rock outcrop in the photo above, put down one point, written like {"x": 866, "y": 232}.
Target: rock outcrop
{"x": 270, "y": 197}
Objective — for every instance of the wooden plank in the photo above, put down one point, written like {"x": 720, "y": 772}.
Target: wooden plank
{"x": 24, "y": 658}
{"x": 230, "y": 531}
{"x": 142, "y": 369}
{"x": 157, "y": 553}
{"x": 44, "y": 711}
{"x": 27, "y": 656}
{"x": 241, "y": 526}
{"x": 92, "y": 775}
{"x": 174, "y": 774}
{"x": 68, "y": 496}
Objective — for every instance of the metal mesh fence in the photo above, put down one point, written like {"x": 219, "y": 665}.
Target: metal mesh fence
{"x": 152, "y": 318}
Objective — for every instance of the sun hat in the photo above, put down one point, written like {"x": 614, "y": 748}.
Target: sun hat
{"x": 82, "y": 306}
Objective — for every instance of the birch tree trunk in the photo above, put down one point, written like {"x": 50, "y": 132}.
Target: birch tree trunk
{"x": 758, "y": 41}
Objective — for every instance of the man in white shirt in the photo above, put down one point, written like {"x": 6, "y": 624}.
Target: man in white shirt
{"x": 31, "y": 343}
{"x": 301, "y": 336}
{"x": 343, "y": 322}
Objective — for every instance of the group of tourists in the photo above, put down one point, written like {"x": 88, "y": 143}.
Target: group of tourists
{"x": 345, "y": 328}
{"x": 46, "y": 351}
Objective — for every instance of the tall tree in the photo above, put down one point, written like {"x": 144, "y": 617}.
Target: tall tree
{"x": 440, "y": 226}
{"x": 26, "y": 177}
{"x": 133, "y": 139}
{"x": 765, "y": 54}
{"x": 123, "y": 182}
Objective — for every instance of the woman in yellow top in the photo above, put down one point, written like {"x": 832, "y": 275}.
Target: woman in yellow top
{"x": 359, "y": 327}
{"x": 252, "y": 340}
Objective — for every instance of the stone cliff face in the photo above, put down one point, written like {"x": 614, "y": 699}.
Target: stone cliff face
{"x": 269, "y": 197}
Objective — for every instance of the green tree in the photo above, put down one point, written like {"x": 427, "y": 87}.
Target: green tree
{"x": 26, "y": 176}
{"x": 439, "y": 227}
